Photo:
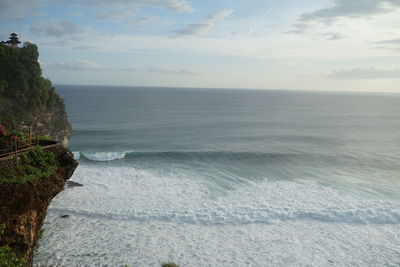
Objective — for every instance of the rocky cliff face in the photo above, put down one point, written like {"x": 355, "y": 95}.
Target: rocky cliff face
{"x": 52, "y": 123}
{"x": 23, "y": 206}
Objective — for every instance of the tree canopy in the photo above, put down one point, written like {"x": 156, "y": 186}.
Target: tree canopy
{"x": 23, "y": 90}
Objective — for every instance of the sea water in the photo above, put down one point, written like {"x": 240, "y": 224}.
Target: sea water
{"x": 212, "y": 177}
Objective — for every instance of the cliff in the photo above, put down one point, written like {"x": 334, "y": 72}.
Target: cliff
{"x": 30, "y": 182}
{"x": 28, "y": 99}
{"x": 23, "y": 206}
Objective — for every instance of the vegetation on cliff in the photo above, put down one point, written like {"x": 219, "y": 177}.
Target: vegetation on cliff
{"x": 7, "y": 257}
{"x": 23, "y": 90}
{"x": 33, "y": 165}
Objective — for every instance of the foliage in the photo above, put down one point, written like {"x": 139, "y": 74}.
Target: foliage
{"x": 21, "y": 135}
{"x": 39, "y": 158}
{"x": 169, "y": 264}
{"x": 7, "y": 257}
{"x": 46, "y": 138}
{"x": 35, "y": 164}
{"x": 22, "y": 84}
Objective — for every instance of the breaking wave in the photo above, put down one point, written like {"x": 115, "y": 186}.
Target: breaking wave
{"x": 100, "y": 156}
{"x": 207, "y": 155}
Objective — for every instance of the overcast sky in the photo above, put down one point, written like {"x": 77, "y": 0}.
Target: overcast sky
{"x": 351, "y": 45}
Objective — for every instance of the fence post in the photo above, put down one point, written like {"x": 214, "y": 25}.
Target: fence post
{"x": 15, "y": 152}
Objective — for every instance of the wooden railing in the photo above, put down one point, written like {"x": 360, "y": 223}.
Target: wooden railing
{"x": 13, "y": 146}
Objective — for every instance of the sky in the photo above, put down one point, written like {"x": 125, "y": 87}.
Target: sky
{"x": 340, "y": 45}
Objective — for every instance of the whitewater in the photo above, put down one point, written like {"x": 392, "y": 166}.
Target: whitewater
{"x": 228, "y": 178}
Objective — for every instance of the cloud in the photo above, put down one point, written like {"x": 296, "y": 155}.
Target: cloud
{"x": 391, "y": 41}
{"x": 85, "y": 47}
{"x": 179, "y": 6}
{"x": 390, "y": 44}
{"x": 129, "y": 69}
{"x": 159, "y": 70}
{"x": 338, "y": 9}
{"x": 332, "y": 36}
{"x": 18, "y": 9}
{"x": 205, "y": 26}
{"x": 366, "y": 74}
{"x": 55, "y": 28}
{"x": 126, "y": 16}
{"x": 142, "y": 20}
{"x": 79, "y": 64}
{"x": 167, "y": 71}
{"x": 116, "y": 14}
{"x": 353, "y": 9}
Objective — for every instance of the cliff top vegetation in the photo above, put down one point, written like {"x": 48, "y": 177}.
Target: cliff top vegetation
{"x": 35, "y": 164}
{"x": 23, "y": 90}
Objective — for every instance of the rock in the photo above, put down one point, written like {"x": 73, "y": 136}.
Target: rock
{"x": 65, "y": 216}
{"x": 70, "y": 184}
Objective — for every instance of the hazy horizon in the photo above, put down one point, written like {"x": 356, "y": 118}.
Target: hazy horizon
{"x": 293, "y": 45}
{"x": 226, "y": 88}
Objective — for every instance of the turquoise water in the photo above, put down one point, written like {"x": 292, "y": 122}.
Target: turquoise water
{"x": 208, "y": 177}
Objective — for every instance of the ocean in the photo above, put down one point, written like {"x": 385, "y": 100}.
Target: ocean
{"x": 218, "y": 177}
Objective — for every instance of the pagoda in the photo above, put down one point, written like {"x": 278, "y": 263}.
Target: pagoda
{"x": 14, "y": 40}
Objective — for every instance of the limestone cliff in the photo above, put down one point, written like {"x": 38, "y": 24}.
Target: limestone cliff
{"x": 28, "y": 99}
{"x": 52, "y": 123}
{"x": 23, "y": 206}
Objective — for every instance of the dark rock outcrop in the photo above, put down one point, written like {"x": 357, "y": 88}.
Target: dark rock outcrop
{"x": 23, "y": 206}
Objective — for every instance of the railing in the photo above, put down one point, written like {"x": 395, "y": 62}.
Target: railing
{"x": 13, "y": 146}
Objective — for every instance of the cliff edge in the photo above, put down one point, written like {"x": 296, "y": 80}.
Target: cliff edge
{"x": 30, "y": 180}
{"x": 23, "y": 205}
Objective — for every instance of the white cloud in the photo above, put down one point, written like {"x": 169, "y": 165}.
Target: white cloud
{"x": 180, "y": 6}
{"x": 168, "y": 71}
{"x": 130, "y": 69}
{"x": 352, "y": 8}
{"x": 18, "y": 9}
{"x": 366, "y": 74}
{"x": 392, "y": 44}
{"x": 79, "y": 64}
{"x": 125, "y": 16}
{"x": 343, "y": 9}
{"x": 391, "y": 41}
{"x": 115, "y": 14}
{"x": 55, "y": 28}
{"x": 205, "y": 26}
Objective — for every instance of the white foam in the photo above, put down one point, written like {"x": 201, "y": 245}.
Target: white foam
{"x": 130, "y": 194}
{"x": 77, "y": 155}
{"x": 140, "y": 217}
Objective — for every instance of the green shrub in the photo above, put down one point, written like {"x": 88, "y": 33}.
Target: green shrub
{"x": 46, "y": 138}
{"x": 7, "y": 257}
{"x": 40, "y": 158}
{"x": 35, "y": 164}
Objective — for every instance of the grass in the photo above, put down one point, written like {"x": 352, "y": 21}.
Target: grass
{"x": 34, "y": 165}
